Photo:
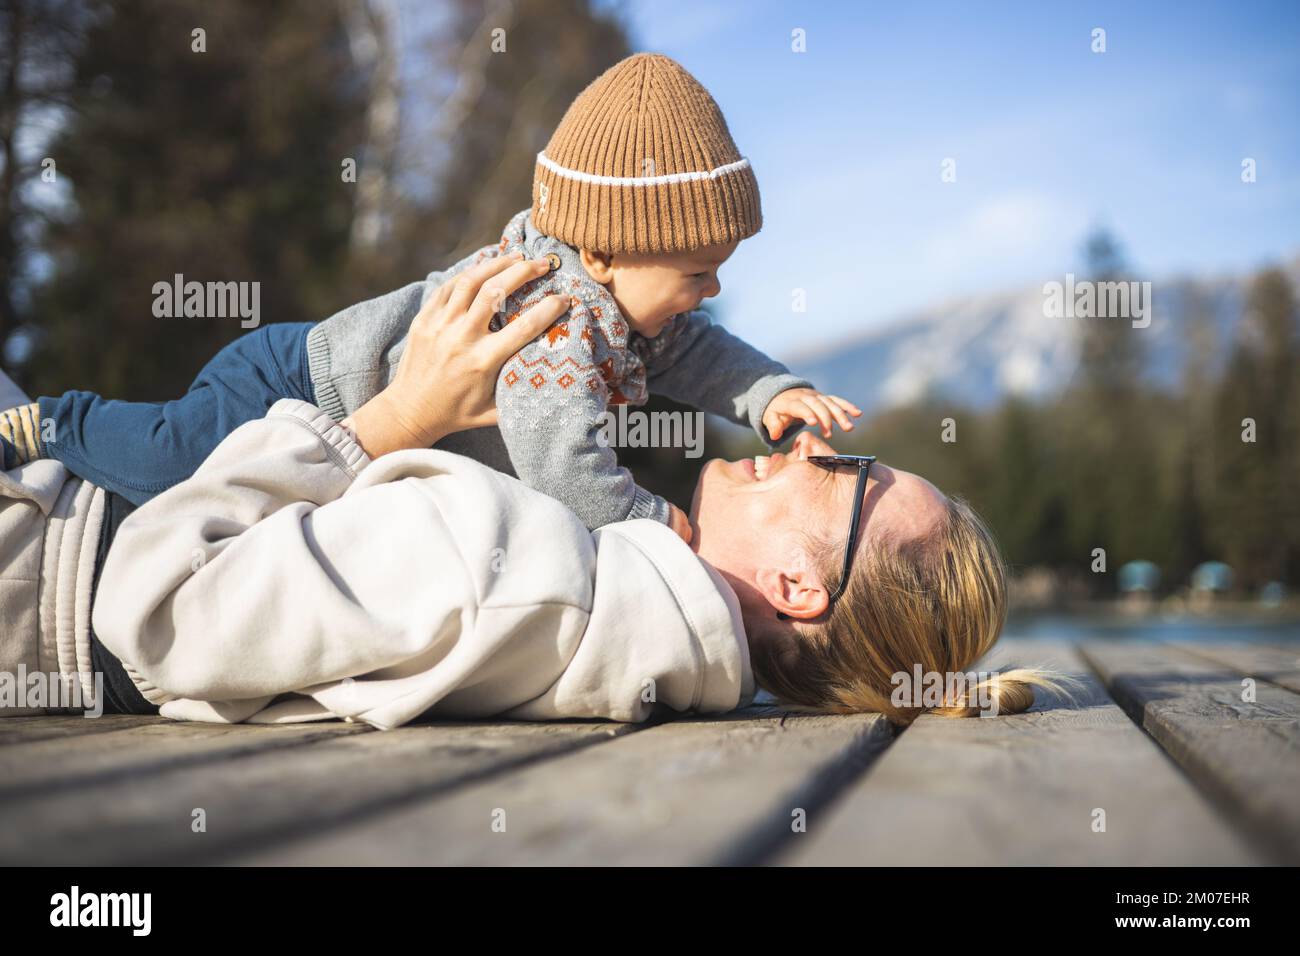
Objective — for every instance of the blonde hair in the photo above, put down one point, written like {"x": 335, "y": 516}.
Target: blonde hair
{"x": 937, "y": 602}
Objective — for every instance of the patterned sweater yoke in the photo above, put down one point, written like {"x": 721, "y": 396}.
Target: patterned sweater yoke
{"x": 553, "y": 393}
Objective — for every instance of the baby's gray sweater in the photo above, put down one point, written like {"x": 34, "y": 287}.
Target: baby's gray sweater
{"x": 552, "y": 394}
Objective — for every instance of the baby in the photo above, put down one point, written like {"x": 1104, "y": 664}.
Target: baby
{"x": 638, "y": 199}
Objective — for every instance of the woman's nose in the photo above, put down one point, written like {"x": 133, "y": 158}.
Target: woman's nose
{"x": 806, "y": 443}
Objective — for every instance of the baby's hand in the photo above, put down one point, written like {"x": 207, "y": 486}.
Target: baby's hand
{"x": 678, "y": 521}
{"x": 807, "y": 405}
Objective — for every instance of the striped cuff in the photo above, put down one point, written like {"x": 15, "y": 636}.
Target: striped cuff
{"x": 760, "y": 395}
{"x": 20, "y": 426}
{"x": 647, "y": 505}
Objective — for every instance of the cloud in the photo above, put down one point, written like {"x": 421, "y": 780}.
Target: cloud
{"x": 1008, "y": 227}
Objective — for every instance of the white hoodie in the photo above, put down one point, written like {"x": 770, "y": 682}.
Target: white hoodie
{"x": 291, "y": 579}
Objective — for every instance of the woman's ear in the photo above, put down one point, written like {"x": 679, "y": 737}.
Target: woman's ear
{"x": 795, "y": 592}
{"x": 599, "y": 265}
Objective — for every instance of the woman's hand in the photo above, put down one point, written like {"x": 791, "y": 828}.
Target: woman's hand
{"x": 678, "y": 521}
{"x": 446, "y": 379}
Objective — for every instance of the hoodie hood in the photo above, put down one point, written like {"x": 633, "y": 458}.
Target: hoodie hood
{"x": 665, "y": 629}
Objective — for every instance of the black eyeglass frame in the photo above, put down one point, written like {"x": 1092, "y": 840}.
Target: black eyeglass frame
{"x": 863, "y": 463}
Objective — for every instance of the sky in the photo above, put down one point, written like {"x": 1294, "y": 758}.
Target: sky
{"x": 1049, "y": 140}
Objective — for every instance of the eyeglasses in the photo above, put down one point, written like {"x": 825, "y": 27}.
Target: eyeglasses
{"x": 863, "y": 463}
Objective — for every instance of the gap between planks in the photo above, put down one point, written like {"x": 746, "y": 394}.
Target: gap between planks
{"x": 1244, "y": 754}
{"x": 1023, "y": 789}
{"x": 693, "y": 791}
{"x": 253, "y": 788}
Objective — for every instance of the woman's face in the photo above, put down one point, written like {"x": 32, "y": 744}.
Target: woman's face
{"x": 750, "y": 517}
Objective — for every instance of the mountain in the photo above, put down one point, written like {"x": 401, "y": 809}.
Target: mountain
{"x": 976, "y": 350}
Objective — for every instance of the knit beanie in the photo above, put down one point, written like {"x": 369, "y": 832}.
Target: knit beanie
{"x": 643, "y": 162}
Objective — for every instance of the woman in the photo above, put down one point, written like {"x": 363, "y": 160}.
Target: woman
{"x": 313, "y": 569}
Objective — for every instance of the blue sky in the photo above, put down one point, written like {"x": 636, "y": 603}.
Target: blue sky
{"x": 1049, "y": 138}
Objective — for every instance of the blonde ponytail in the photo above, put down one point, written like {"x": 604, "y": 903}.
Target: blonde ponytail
{"x": 1010, "y": 691}
{"x": 936, "y": 603}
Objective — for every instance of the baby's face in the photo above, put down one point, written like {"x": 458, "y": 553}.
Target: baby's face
{"x": 651, "y": 288}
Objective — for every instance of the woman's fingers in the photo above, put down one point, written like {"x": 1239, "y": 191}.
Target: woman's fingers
{"x": 440, "y": 297}
{"x": 534, "y": 320}
{"x": 430, "y": 315}
{"x": 492, "y": 296}
{"x": 465, "y": 287}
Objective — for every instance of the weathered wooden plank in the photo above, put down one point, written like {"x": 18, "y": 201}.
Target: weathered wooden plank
{"x": 1245, "y": 755}
{"x": 254, "y": 797}
{"x": 1275, "y": 664}
{"x": 696, "y": 791}
{"x": 1022, "y": 789}
{"x": 134, "y": 752}
{"x": 21, "y": 730}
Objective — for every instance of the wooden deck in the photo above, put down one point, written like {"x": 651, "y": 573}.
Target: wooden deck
{"x": 1163, "y": 747}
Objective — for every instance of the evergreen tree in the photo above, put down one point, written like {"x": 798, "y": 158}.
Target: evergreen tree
{"x": 38, "y": 43}
{"x": 214, "y": 155}
{"x": 1253, "y": 510}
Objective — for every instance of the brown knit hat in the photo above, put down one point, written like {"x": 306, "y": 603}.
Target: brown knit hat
{"x": 643, "y": 162}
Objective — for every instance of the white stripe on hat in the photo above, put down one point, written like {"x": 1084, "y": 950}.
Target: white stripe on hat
{"x": 665, "y": 180}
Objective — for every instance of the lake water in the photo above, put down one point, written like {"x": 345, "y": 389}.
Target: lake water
{"x": 1218, "y": 629}
{"x": 1210, "y": 629}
